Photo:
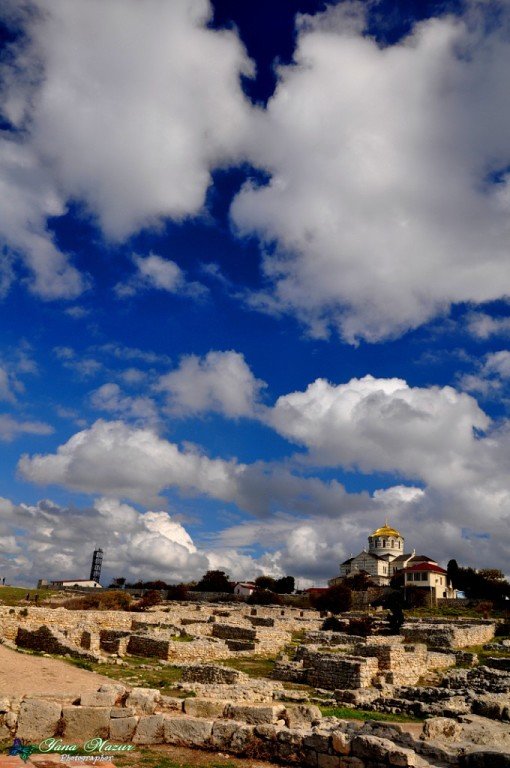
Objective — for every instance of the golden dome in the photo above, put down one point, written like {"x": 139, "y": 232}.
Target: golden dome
{"x": 387, "y": 530}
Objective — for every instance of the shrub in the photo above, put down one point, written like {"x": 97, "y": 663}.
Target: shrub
{"x": 116, "y": 600}
{"x": 264, "y": 597}
{"x": 363, "y": 627}
{"x": 177, "y": 592}
{"x": 335, "y": 599}
{"x": 153, "y": 597}
{"x": 360, "y": 582}
{"x": 417, "y": 597}
{"x": 332, "y": 624}
{"x": 485, "y": 608}
{"x": 503, "y": 629}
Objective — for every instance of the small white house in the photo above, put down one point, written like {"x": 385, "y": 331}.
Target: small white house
{"x": 244, "y": 588}
{"x": 429, "y": 576}
{"x": 76, "y": 584}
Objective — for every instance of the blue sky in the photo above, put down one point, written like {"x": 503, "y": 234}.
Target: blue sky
{"x": 254, "y": 283}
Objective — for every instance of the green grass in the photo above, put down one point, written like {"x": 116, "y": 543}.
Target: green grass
{"x": 15, "y": 596}
{"x": 347, "y": 713}
{"x": 453, "y": 611}
{"x": 483, "y": 654}
{"x": 164, "y": 678}
{"x": 254, "y": 666}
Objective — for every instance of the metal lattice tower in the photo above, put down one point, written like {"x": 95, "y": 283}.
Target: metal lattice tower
{"x": 97, "y": 562}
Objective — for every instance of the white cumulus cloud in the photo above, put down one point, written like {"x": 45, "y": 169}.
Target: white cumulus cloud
{"x": 153, "y": 271}
{"x": 220, "y": 382}
{"x": 380, "y": 211}
{"x": 117, "y": 460}
{"x": 384, "y": 425}
{"x": 126, "y": 106}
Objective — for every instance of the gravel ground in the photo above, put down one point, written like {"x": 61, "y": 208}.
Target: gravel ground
{"x": 21, "y": 674}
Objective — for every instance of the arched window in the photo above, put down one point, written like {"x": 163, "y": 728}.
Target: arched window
{"x": 392, "y": 543}
{"x": 384, "y": 542}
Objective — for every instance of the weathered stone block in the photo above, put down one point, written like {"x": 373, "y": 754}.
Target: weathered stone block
{"x": 82, "y": 723}
{"x": 372, "y": 748}
{"x": 150, "y": 730}
{"x": 318, "y": 740}
{"x": 243, "y": 740}
{"x": 171, "y": 703}
{"x": 98, "y": 699}
{"x": 340, "y": 742}
{"x": 255, "y": 714}
{"x": 405, "y": 758}
{"x": 187, "y": 731}
{"x": 143, "y": 700}
{"x": 222, "y": 733}
{"x": 484, "y": 758}
{"x": 38, "y": 719}
{"x": 442, "y": 728}
{"x": 301, "y": 714}
{"x": 328, "y": 761}
{"x": 122, "y": 729}
{"x": 212, "y": 708}
{"x": 119, "y": 712}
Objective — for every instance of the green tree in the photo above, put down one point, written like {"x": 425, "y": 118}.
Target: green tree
{"x": 336, "y": 599}
{"x": 265, "y": 582}
{"x": 214, "y": 581}
{"x": 492, "y": 574}
{"x": 394, "y": 603}
{"x": 177, "y": 592}
{"x": 285, "y": 586}
{"x": 264, "y": 597}
{"x": 152, "y": 597}
{"x": 452, "y": 573}
{"x": 118, "y": 583}
{"x": 360, "y": 581}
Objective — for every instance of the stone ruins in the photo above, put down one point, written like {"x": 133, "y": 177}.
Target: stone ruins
{"x": 425, "y": 672}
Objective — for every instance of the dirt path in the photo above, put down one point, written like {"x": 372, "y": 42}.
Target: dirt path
{"x": 22, "y": 674}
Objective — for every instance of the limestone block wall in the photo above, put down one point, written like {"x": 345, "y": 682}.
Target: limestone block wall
{"x": 233, "y": 632}
{"x": 144, "y": 645}
{"x": 404, "y": 663}
{"x": 110, "y": 640}
{"x": 49, "y": 641}
{"x": 60, "y": 618}
{"x": 332, "y": 671}
{"x": 449, "y": 635}
{"x": 282, "y": 733}
{"x": 210, "y": 673}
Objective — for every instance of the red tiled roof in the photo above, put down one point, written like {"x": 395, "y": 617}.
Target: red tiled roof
{"x": 424, "y": 567}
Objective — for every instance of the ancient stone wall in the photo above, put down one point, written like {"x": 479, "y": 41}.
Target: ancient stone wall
{"x": 49, "y": 641}
{"x": 333, "y": 671}
{"x": 294, "y": 735}
{"x": 233, "y": 632}
{"x": 449, "y": 634}
{"x": 209, "y": 673}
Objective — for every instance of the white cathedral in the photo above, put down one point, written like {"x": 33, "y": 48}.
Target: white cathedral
{"x": 386, "y": 556}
